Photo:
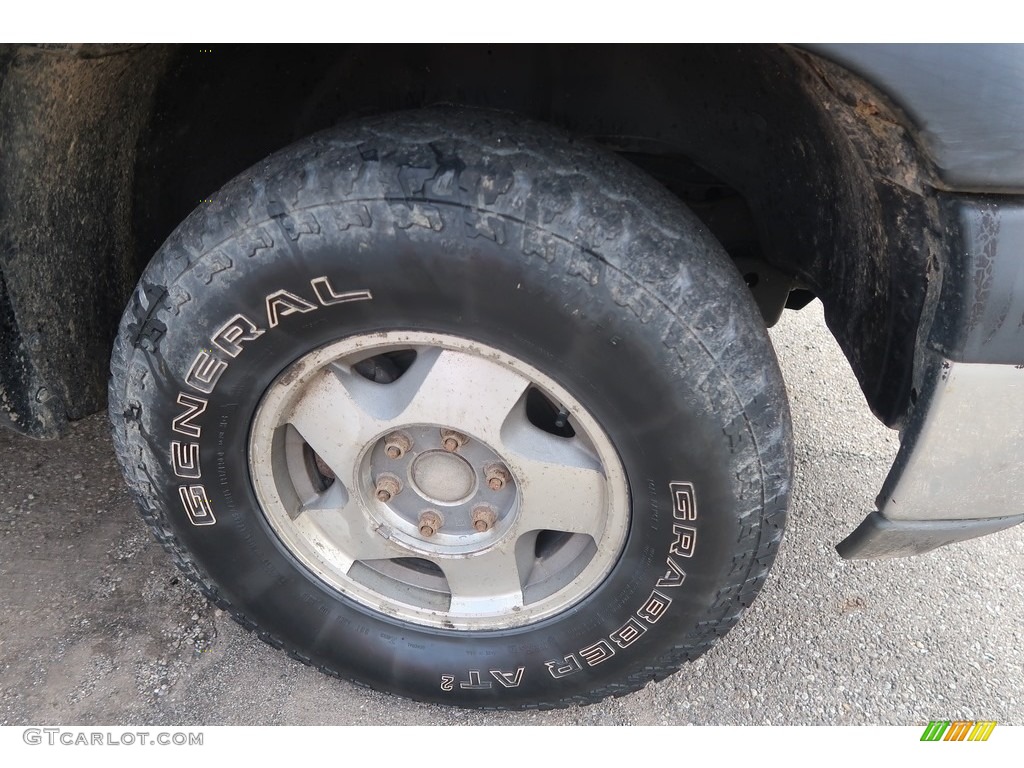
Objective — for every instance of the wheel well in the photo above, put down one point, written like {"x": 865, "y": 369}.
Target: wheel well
{"x": 808, "y": 177}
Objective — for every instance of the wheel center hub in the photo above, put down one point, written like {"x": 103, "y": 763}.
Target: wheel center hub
{"x": 443, "y": 477}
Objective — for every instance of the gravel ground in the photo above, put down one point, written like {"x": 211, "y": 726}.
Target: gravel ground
{"x": 97, "y": 627}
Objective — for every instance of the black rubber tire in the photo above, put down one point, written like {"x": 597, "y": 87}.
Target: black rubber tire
{"x": 519, "y": 236}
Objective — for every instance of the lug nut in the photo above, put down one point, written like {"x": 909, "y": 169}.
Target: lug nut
{"x": 451, "y": 440}
{"x": 396, "y": 445}
{"x": 483, "y": 519}
{"x": 430, "y": 522}
{"x": 388, "y": 486}
{"x": 497, "y": 477}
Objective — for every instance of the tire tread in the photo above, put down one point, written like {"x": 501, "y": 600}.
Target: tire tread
{"x": 619, "y": 241}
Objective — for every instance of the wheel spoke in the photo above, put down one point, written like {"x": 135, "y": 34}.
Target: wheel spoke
{"x": 562, "y": 487}
{"x": 341, "y": 532}
{"x": 465, "y": 391}
{"x": 484, "y": 583}
{"x": 335, "y": 416}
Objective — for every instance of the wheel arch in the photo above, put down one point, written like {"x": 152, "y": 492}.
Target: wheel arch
{"x": 836, "y": 194}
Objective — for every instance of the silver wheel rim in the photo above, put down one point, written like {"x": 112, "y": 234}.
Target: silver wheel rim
{"x": 506, "y": 524}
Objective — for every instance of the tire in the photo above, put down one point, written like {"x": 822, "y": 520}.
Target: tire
{"x": 616, "y": 474}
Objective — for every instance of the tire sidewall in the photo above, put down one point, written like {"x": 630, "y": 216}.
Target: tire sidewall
{"x": 663, "y": 398}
